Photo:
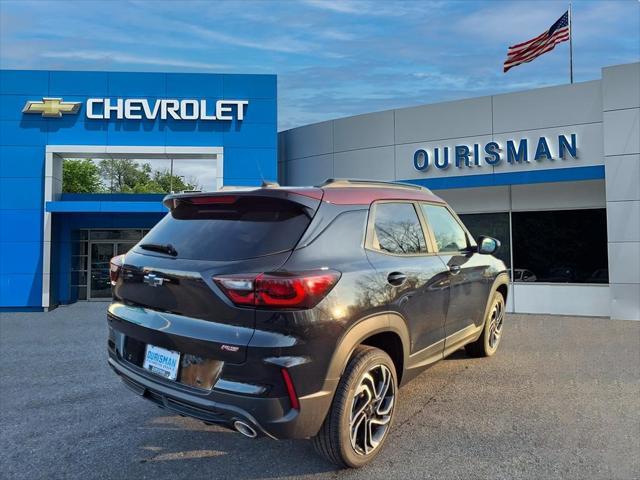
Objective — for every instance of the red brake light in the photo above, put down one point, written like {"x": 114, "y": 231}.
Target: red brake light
{"x": 291, "y": 391}
{"x": 115, "y": 267}
{"x": 279, "y": 290}
{"x": 217, "y": 199}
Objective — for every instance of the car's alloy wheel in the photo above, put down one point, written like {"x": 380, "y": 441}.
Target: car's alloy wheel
{"x": 496, "y": 318}
{"x": 361, "y": 414}
{"x": 487, "y": 344}
{"x": 371, "y": 409}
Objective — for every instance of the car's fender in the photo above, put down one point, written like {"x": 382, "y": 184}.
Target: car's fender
{"x": 502, "y": 279}
{"x": 318, "y": 403}
{"x": 363, "y": 329}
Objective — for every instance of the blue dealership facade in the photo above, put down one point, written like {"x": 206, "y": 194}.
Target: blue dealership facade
{"x": 48, "y": 237}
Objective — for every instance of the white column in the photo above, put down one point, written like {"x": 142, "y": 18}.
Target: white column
{"x": 621, "y": 124}
{"x": 219, "y": 170}
{"x": 52, "y": 191}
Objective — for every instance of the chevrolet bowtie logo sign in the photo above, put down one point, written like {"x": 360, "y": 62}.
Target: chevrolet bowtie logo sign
{"x": 51, "y": 107}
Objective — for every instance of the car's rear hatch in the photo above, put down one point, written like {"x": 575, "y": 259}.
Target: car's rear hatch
{"x": 166, "y": 282}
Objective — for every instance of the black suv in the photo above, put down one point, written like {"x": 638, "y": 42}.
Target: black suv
{"x": 298, "y": 312}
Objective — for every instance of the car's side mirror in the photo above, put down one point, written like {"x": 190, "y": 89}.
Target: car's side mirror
{"x": 488, "y": 245}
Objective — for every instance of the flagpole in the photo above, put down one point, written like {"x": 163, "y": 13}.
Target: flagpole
{"x": 570, "y": 44}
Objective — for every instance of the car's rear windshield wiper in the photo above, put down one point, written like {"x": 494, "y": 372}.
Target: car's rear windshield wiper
{"x": 156, "y": 247}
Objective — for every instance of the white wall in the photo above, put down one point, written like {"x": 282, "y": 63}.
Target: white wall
{"x": 621, "y": 114}
{"x": 588, "y": 300}
{"x": 537, "y": 196}
{"x": 381, "y": 145}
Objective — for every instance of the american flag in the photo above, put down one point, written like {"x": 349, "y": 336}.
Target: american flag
{"x": 546, "y": 41}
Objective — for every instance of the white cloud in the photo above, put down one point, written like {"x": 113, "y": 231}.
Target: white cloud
{"x": 332, "y": 34}
{"x": 124, "y": 58}
{"x": 510, "y": 24}
{"x": 374, "y": 7}
{"x": 339, "y": 6}
{"x": 275, "y": 43}
{"x": 519, "y": 21}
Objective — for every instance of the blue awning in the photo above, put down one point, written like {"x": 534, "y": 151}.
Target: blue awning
{"x": 62, "y": 206}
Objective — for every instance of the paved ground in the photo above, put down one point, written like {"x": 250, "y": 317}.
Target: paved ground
{"x": 560, "y": 400}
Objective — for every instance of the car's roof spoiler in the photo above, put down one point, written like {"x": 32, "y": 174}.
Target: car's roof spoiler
{"x": 309, "y": 197}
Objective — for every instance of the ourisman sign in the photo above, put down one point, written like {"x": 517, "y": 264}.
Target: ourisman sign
{"x": 492, "y": 153}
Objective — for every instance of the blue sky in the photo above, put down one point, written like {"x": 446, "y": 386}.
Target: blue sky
{"x": 333, "y": 58}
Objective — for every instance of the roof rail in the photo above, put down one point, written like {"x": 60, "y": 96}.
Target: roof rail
{"x": 350, "y": 182}
{"x": 269, "y": 184}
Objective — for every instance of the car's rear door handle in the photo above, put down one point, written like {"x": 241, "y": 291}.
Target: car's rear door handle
{"x": 454, "y": 269}
{"x": 396, "y": 278}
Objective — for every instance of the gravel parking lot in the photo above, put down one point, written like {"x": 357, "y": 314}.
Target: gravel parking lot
{"x": 561, "y": 399}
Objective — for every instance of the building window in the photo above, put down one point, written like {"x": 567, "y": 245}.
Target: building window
{"x": 494, "y": 225}
{"x": 564, "y": 246}
{"x": 397, "y": 229}
{"x": 127, "y": 175}
{"x": 79, "y": 262}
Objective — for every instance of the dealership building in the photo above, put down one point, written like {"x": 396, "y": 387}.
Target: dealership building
{"x": 553, "y": 173}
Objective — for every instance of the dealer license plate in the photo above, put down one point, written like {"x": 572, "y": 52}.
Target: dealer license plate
{"x": 162, "y": 362}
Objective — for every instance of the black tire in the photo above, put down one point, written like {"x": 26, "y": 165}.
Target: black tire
{"x": 333, "y": 441}
{"x": 487, "y": 344}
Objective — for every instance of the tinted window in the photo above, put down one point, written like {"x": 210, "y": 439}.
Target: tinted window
{"x": 250, "y": 227}
{"x": 564, "y": 246}
{"x": 494, "y": 225}
{"x": 397, "y": 229}
{"x": 450, "y": 236}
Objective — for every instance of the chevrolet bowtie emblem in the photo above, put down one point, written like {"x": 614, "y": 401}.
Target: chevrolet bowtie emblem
{"x": 51, "y": 107}
{"x": 154, "y": 280}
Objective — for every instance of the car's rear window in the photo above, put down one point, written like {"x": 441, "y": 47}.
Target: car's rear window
{"x": 247, "y": 228}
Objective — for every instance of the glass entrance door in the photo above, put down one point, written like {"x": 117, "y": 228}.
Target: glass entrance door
{"x": 99, "y": 255}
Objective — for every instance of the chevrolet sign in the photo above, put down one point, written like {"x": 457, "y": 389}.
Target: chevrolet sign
{"x": 186, "y": 109}
{"x": 141, "y": 109}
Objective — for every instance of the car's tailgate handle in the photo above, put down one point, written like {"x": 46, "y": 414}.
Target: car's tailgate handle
{"x": 396, "y": 278}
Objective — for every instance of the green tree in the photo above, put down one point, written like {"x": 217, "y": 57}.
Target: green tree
{"x": 167, "y": 182}
{"x": 127, "y": 176}
{"x": 124, "y": 175}
{"x": 81, "y": 176}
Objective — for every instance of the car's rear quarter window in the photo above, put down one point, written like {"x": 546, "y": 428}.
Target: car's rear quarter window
{"x": 397, "y": 229}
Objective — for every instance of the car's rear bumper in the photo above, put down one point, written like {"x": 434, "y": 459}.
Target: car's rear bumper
{"x": 227, "y": 402}
{"x": 225, "y": 410}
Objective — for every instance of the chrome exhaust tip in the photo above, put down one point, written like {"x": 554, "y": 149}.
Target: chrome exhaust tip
{"x": 245, "y": 429}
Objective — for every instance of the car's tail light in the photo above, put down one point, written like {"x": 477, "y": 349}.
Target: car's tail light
{"x": 278, "y": 290}
{"x": 213, "y": 200}
{"x": 291, "y": 391}
{"x": 115, "y": 267}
